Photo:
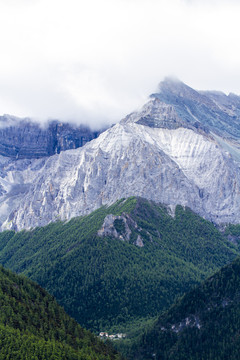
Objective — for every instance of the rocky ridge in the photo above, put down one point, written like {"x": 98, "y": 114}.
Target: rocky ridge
{"x": 25, "y": 139}
{"x": 181, "y": 148}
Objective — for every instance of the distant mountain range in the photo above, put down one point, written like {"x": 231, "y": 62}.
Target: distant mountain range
{"x": 183, "y": 148}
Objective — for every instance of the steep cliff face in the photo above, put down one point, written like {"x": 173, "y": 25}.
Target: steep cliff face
{"x": 24, "y": 139}
{"x": 211, "y": 110}
{"x": 156, "y": 153}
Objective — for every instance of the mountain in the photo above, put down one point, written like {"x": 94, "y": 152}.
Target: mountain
{"x": 120, "y": 264}
{"x": 203, "y": 324}
{"x": 34, "y": 326}
{"x": 25, "y": 139}
{"x": 181, "y": 148}
{"x": 212, "y": 111}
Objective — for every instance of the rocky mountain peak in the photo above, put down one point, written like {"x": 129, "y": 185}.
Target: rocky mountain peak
{"x": 178, "y": 149}
{"x": 177, "y": 87}
{"x": 211, "y": 111}
{"x": 174, "y": 106}
{"x": 175, "y": 91}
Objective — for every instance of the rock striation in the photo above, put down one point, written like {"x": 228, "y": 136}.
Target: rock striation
{"x": 181, "y": 148}
{"x": 25, "y": 139}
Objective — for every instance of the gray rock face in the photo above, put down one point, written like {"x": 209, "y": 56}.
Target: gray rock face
{"x": 184, "y": 162}
{"x": 24, "y": 139}
{"x": 213, "y": 111}
{"x": 122, "y": 232}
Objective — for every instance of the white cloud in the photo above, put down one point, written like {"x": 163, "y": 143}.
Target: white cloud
{"x": 95, "y": 61}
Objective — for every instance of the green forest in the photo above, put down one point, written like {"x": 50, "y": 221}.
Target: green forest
{"x": 203, "y": 324}
{"x": 34, "y": 326}
{"x": 107, "y": 283}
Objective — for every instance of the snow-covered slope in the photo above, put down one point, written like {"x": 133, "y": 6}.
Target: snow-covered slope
{"x": 144, "y": 155}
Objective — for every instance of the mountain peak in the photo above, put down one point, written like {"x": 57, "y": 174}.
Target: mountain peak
{"x": 174, "y": 86}
{"x": 171, "y": 81}
{"x": 182, "y": 147}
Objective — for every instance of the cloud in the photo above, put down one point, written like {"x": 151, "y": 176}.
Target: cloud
{"x": 95, "y": 61}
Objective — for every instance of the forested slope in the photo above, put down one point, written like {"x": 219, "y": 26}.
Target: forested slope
{"x": 204, "y": 324}
{"x": 121, "y": 263}
{"x": 34, "y": 326}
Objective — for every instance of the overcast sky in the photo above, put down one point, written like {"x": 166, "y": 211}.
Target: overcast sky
{"x": 94, "y": 61}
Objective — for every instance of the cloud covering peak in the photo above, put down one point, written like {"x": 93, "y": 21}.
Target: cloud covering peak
{"x": 95, "y": 61}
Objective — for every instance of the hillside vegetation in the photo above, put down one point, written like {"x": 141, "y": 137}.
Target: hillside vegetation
{"x": 204, "y": 324}
{"x": 134, "y": 268}
{"x": 34, "y": 326}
